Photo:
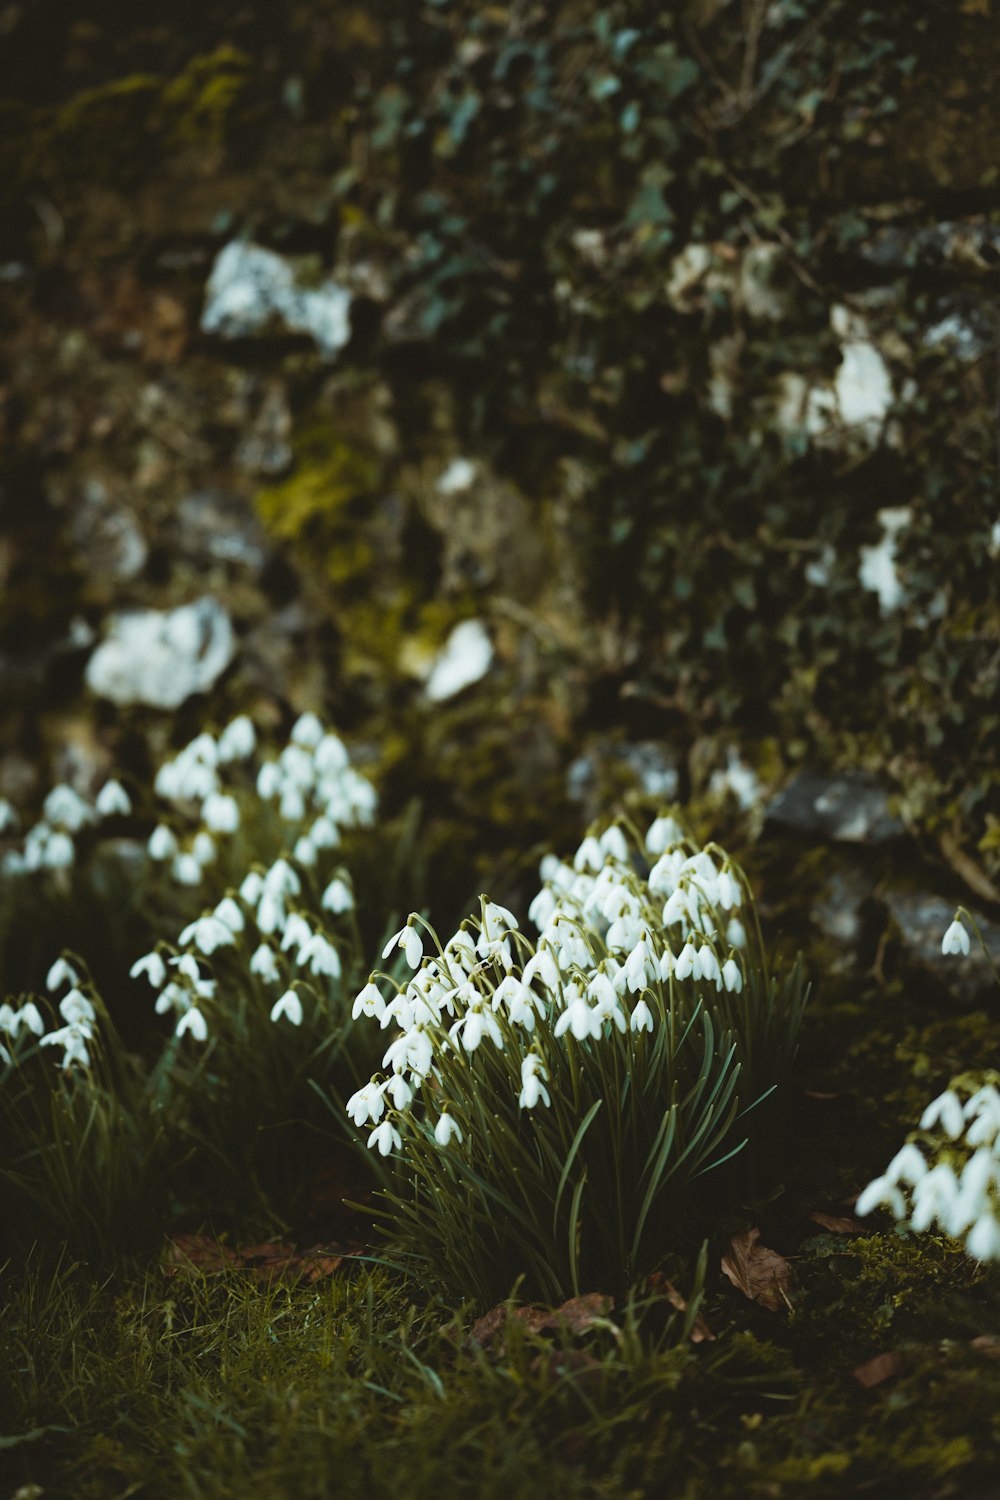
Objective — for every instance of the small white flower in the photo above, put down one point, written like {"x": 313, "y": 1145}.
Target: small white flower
{"x": 330, "y": 755}
{"x": 642, "y": 1018}
{"x": 283, "y": 879}
{"x": 580, "y": 1019}
{"x": 542, "y": 908}
{"x": 307, "y": 731}
{"x": 59, "y": 852}
{"x": 203, "y": 848}
{"x": 983, "y": 1242}
{"x": 533, "y": 1071}
{"x": 946, "y": 1108}
{"x": 878, "y": 1192}
{"x": 238, "y": 740}
{"x": 675, "y": 907}
{"x": 8, "y": 816}
{"x": 264, "y": 963}
{"x": 934, "y": 1197}
{"x": 386, "y": 1137}
{"x": 908, "y": 1165}
{"x": 268, "y": 781}
{"x": 152, "y": 965}
{"x": 305, "y": 852}
{"x": 612, "y": 842}
{"x": 60, "y": 973}
{"x": 399, "y": 1091}
{"x": 729, "y": 891}
{"x": 668, "y": 964}
{"x": 289, "y": 1006}
{"x": 407, "y": 938}
{"x": 297, "y": 932}
{"x": 956, "y": 939}
{"x": 640, "y": 968}
{"x": 292, "y": 806}
{"x": 76, "y": 1009}
{"x": 228, "y": 912}
{"x": 736, "y": 935}
{"x": 367, "y": 1104}
{"x": 113, "y": 801}
{"x": 67, "y": 809}
{"x": 192, "y": 1020}
{"x": 447, "y": 1127}
{"x": 207, "y": 934}
{"x": 321, "y": 956}
{"x": 162, "y": 844}
{"x": 732, "y": 976}
{"x": 685, "y": 964}
{"x": 221, "y": 813}
{"x": 663, "y": 832}
{"x": 369, "y": 1002}
{"x": 252, "y": 888}
{"x": 338, "y": 897}
{"x": 28, "y": 1016}
{"x": 589, "y": 856}
{"x": 271, "y": 913}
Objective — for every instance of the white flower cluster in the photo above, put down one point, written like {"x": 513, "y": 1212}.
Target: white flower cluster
{"x": 312, "y": 782}
{"x": 612, "y": 943}
{"x": 951, "y": 1181}
{"x": 50, "y": 844}
{"x": 78, "y": 1014}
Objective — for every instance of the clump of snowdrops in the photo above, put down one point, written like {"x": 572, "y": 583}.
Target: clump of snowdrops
{"x": 549, "y": 1103}
{"x": 947, "y": 1174}
{"x": 256, "y": 991}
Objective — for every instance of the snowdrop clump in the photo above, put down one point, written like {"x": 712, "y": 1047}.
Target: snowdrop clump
{"x": 76, "y": 1010}
{"x": 51, "y": 842}
{"x": 566, "y": 1088}
{"x": 947, "y": 1175}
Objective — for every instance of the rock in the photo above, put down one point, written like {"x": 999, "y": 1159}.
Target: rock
{"x": 849, "y": 411}
{"x": 646, "y": 764}
{"x": 265, "y": 450}
{"x": 922, "y": 919}
{"x": 223, "y": 526}
{"x": 850, "y": 808}
{"x": 838, "y": 915}
{"x": 965, "y": 327}
{"x": 465, "y": 658}
{"x": 107, "y": 536}
{"x": 162, "y": 657}
{"x": 250, "y": 290}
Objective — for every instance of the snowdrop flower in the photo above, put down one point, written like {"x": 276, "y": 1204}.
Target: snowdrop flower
{"x": 30, "y": 1017}
{"x": 542, "y": 965}
{"x": 338, "y": 897}
{"x": 612, "y": 842}
{"x": 321, "y": 956}
{"x": 385, "y": 1137}
{"x": 736, "y": 935}
{"x": 252, "y": 887}
{"x": 113, "y": 801}
{"x": 399, "y": 1091}
{"x": 409, "y": 940}
{"x": 221, "y": 813}
{"x": 60, "y": 973}
{"x": 194, "y": 1021}
{"x": 203, "y": 848}
{"x": 75, "y": 1008}
{"x": 367, "y": 1104}
{"x": 282, "y": 879}
{"x": 289, "y": 1006}
{"x": 732, "y": 976}
{"x": 324, "y": 834}
{"x": 580, "y": 1019}
{"x": 668, "y": 964}
{"x": 67, "y": 809}
{"x": 162, "y": 844}
{"x": 73, "y": 1039}
{"x": 708, "y": 966}
{"x": 305, "y": 852}
{"x": 676, "y": 907}
{"x": 152, "y": 965}
{"x": 207, "y": 934}
{"x": 662, "y": 833}
{"x": 298, "y": 769}
{"x": 369, "y": 1002}
{"x": 589, "y": 856}
{"x": 268, "y": 781}
{"x": 684, "y": 966}
{"x": 947, "y": 1109}
{"x": 270, "y": 913}
{"x": 292, "y": 806}
{"x": 474, "y": 1025}
{"x": 640, "y": 967}
{"x": 228, "y": 912}
{"x": 307, "y": 731}
{"x": 880, "y": 1191}
{"x": 8, "y": 816}
{"x": 956, "y": 939}
{"x": 934, "y": 1198}
{"x": 533, "y": 1072}
{"x": 264, "y": 963}
{"x": 297, "y": 932}
{"x": 908, "y": 1165}
{"x": 330, "y": 755}
{"x": 728, "y": 891}
{"x": 446, "y": 1128}
{"x": 542, "y": 908}
{"x": 59, "y": 852}
{"x": 983, "y": 1242}
{"x": 983, "y": 1112}
{"x": 642, "y": 1017}
{"x": 238, "y": 740}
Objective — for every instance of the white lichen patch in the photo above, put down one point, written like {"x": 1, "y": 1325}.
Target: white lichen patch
{"x": 465, "y": 658}
{"x": 162, "y": 657}
{"x": 250, "y": 290}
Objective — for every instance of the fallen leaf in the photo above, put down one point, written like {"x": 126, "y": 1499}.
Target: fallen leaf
{"x": 882, "y": 1367}
{"x": 189, "y": 1253}
{"x": 987, "y": 1343}
{"x": 700, "y": 1331}
{"x": 578, "y": 1315}
{"x": 760, "y": 1274}
{"x": 839, "y": 1225}
{"x": 486, "y": 1328}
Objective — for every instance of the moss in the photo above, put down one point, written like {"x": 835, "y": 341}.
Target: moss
{"x": 201, "y": 104}
{"x": 317, "y": 508}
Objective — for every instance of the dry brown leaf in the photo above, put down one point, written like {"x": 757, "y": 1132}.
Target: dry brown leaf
{"x": 760, "y": 1274}
{"x": 700, "y": 1331}
{"x": 188, "y": 1253}
{"x": 882, "y": 1367}
{"x": 987, "y": 1343}
{"x": 839, "y": 1224}
{"x": 578, "y": 1315}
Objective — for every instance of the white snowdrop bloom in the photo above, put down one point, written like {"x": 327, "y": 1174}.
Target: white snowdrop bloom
{"x": 9, "y": 819}
{"x": 983, "y": 1242}
{"x": 297, "y": 932}
{"x": 289, "y": 1007}
{"x": 642, "y": 1017}
{"x": 685, "y": 964}
{"x": 934, "y": 1198}
{"x": 187, "y": 965}
{"x": 533, "y": 1074}
{"x": 113, "y": 801}
{"x": 237, "y": 741}
{"x": 548, "y": 866}
{"x": 152, "y": 965}
{"x": 338, "y": 897}
{"x": 662, "y": 833}
{"x": 13, "y": 863}
{"x": 30, "y": 1017}
{"x": 270, "y": 913}
{"x": 60, "y": 851}
{"x": 736, "y": 935}
{"x": 668, "y": 964}
{"x": 708, "y": 966}
{"x": 956, "y": 939}
{"x": 411, "y": 943}
{"x": 167, "y": 781}
{"x": 946, "y": 1109}
{"x": 269, "y": 781}
{"x": 675, "y": 907}
{"x": 76, "y": 1008}
{"x": 59, "y": 974}
{"x": 307, "y": 731}
{"x": 35, "y": 844}
{"x": 162, "y": 844}
{"x": 367, "y": 1104}
{"x": 570, "y": 947}
{"x": 8, "y": 1020}
{"x": 252, "y": 887}
{"x": 368, "y": 1002}
{"x": 623, "y": 934}
{"x": 732, "y": 976}
{"x": 324, "y": 834}
{"x": 589, "y": 856}
{"x": 73, "y": 1039}
{"x": 227, "y": 911}
{"x": 881, "y": 1191}
{"x": 202, "y": 750}
{"x": 66, "y": 809}
{"x": 207, "y": 934}
{"x": 221, "y": 813}
{"x": 194, "y": 1021}
{"x": 399, "y": 1091}
{"x": 203, "y": 848}
{"x": 908, "y": 1165}
{"x": 320, "y": 956}
{"x": 474, "y": 1025}
{"x": 612, "y": 842}
{"x": 640, "y": 967}
{"x": 580, "y": 1020}
{"x": 305, "y": 852}
{"x": 542, "y": 965}
{"x": 264, "y": 963}
{"x": 196, "y": 780}
{"x": 386, "y": 1137}
{"x": 292, "y": 806}
{"x": 330, "y": 755}
{"x": 982, "y": 1110}
{"x": 362, "y": 797}
{"x": 728, "y": 891}
{"x": 447, "y": 1128}
{"x": 174, "y": 997}
{"x": 298, "y": 769}
{"x": 666, "y": 873}
{"x": 497, "y": 921}
{"x": 601, "y": 990}
{"x": 282, "y": 879}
